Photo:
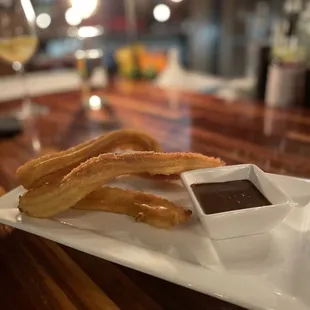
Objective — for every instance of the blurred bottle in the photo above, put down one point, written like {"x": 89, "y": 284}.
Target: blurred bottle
{"x": 91, "y": 72}
{"x": 263, "y": 62}
{"x": 304, "y": 35}
{"x": 287, "y": 71}
{"x": 258, "y": 34}
{"x": 303, "y": 26}
{"x": 174, "y": 75}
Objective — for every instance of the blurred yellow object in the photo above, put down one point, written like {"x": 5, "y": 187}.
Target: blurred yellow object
{"x": 135, "y": 61}
{"x": 288, "y": 54}
{"x": 127, "y": 60}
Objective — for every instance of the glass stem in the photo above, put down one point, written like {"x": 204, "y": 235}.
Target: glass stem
{"x": 85, "y": 79}
{"x": 26, "y": 102}
{"x": 22, "y": 77}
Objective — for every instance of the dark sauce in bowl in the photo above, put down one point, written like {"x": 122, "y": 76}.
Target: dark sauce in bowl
{"x": 228, "y": 196}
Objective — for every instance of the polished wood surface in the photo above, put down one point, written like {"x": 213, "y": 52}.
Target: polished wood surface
{"x": 40, "y": 274}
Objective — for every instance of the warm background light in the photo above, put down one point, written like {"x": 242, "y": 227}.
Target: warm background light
{"x": 43, "y": 20}
{"x": 95, "y": 103}
{"x": 85, "y": 8}
{"x": 161, "y": 13}
{"x": 72, "y": 17}
{"x": 90, "y": 31}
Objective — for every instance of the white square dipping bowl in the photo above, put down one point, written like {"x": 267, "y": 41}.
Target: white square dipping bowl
{"x": 243, "y": 222}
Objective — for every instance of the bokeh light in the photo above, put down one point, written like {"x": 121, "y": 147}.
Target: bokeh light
{"x": 95, "y": 103}
{"x": 43, "y": 20}
{"x": 85, "y": 8}
{"x": 72, "y": 17}
{"x": 90, "y": 31}
{"x": 161, "y": 13}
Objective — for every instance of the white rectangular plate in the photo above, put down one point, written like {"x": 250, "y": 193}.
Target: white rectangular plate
{"x": 267, "y": 271}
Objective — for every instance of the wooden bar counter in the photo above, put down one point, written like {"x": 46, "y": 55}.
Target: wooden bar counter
{"x": 37, "y": 274}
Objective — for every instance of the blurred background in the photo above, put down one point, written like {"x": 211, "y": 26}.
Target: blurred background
{"x": 224, "y": 46}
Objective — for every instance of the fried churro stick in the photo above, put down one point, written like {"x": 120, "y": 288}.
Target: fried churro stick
{"x": 53, "y": 167}
{"x": 52, "y": 199}
{"x": 143, "y": 207}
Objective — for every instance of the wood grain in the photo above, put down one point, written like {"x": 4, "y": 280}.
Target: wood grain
{"x": 47, "y": 276}
{"x": 39, "y": 274}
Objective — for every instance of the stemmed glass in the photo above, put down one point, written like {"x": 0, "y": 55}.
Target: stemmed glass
{"x": 18, "y": 43}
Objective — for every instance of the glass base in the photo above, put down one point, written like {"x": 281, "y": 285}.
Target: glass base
{"x": 30, "y": 109}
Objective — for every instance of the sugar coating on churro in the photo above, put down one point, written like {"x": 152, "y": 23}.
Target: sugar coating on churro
{"x": 51, "y": 199}
{"x": 54, "y": 166}
{"x": 74, "y": 179}
{"x": 143, "y": 207}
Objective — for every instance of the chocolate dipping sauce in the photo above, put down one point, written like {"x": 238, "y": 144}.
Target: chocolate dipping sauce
{"x": 228, "y": 196}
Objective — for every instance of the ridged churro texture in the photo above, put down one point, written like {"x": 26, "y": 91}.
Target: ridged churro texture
{"x": 51, "y": 199}
{"x": 143, "y": 207}
{"x": 50, "y": 168}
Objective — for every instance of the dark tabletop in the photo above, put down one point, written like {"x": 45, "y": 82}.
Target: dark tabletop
{"x": 40, "y": 274}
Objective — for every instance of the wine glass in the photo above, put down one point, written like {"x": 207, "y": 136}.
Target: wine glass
{"x": 18, "y": 43}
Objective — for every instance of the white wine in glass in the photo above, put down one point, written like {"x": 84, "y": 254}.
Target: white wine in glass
{"x": 18, "y": 43}
{"x": 19, "y": 49}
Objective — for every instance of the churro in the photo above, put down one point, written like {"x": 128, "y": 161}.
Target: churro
{"x": 52, "y": 167}
{"x": 51, "y": 199}
{"x": 143, "y": 207}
